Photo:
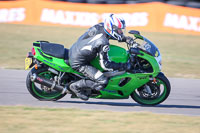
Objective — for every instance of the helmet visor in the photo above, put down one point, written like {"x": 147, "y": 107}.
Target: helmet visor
{"x": 119, "y": 31}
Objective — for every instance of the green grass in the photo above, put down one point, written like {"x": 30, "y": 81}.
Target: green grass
{"x": 55, "y": 120}
{"x": 180, "y": 53}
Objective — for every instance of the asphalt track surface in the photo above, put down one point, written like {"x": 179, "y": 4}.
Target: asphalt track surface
{"x": 184, "y": 98}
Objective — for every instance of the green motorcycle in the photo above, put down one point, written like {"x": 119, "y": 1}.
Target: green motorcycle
{"x": 51, "y": 74}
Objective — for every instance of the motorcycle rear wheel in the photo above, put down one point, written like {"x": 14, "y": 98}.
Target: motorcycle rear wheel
{"x": 159, "y": 96}
{"x": 40, "y": 92}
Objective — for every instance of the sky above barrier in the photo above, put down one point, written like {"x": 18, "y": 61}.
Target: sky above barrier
{"x": 155, "y": 17}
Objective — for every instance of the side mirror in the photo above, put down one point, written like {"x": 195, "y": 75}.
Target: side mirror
{"x": 134, "y": 32}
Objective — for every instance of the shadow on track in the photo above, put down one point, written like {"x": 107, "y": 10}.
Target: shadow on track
{"x": 132, "y": 104}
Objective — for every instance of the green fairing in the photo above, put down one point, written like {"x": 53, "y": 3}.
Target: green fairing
{"x": 118, "y": 54}
{"x": 112, "y": 90}
{"x": 138, "y": 80}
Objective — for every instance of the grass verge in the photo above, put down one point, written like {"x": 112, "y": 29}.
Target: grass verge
{"x": 180, "y": 53}
{"x": 54, "y": 120}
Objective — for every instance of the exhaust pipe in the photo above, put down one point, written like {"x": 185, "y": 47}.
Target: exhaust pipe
{"x": 48, "y": 83}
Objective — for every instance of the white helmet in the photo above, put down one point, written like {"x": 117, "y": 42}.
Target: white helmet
{"x": 114, "y": 26}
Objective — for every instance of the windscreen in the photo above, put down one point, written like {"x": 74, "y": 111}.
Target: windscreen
{"x": 147, "y": 46}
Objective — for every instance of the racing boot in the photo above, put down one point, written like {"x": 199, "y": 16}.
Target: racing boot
{"x": 76, "y": 88}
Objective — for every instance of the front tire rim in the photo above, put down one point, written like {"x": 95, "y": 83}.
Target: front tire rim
{"x": 151, "y": 101}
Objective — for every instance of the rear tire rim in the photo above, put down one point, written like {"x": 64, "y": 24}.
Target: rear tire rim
{"x": 37, "y": 88}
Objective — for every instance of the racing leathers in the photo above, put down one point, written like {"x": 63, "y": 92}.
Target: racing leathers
{"x": 93, "y": 43}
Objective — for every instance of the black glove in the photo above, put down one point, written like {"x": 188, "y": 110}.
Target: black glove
{"x": 129, "y": 40}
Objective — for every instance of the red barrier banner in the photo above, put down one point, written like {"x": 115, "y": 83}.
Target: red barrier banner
{"x": 154, "y": 17}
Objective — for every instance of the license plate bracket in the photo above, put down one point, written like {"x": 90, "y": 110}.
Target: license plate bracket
{"x": 28, "y": 63}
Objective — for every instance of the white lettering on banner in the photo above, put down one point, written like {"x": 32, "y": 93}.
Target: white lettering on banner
{"x": 182, "y": 22}
{"x": 89, "y": 19}
{"x": 12, "y": 15}
{"x": 132, "y": 19}
{"x": 135, "y": 19}
{"x": 69, "y": 17}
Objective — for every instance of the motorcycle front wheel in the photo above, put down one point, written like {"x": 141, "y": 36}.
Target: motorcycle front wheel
{"x": 158, "y": 92}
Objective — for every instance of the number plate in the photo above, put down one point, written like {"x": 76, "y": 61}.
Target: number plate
{"x": 28, "y": 62}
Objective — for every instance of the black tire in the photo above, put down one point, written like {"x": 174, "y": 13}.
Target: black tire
{"x": 37, "y": 92}
{"x": 162, "y": 79}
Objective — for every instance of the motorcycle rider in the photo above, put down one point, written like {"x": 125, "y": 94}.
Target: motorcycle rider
{"x": 93, "y": 43}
